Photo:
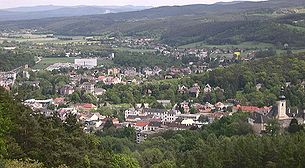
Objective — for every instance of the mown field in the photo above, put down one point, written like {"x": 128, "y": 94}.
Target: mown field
{"x": 43, "y": 39}
{"x": 134, "y": 50}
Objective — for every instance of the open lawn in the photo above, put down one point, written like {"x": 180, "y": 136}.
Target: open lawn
{"x": 45, "y": 62}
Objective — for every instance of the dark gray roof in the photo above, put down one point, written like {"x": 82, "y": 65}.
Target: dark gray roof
{"x": 143, "y": 118}
{"x": 273, "y": 112}
{"x": 150, "y": 110}
{"x": 172, "y": 112}
{"x": 155, "y": 124}
{"x": 258, "y": 118}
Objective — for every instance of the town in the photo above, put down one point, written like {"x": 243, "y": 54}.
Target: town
{"x": 82, "y": 89}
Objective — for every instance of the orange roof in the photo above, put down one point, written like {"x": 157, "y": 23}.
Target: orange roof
{"x": 141, "y": 123}
{"x": 101, "y": 78}
{"x": 247, "y": 108}
{"x": 59, "y": 99}
{"x": 87, "y": 105}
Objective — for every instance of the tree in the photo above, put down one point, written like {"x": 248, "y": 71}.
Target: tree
{"x": 124, "y": 161}
{"x": 294, "y": 126}
{"x": 108, "y": 124}
{"x": 193, "y": 110}
{"x": 23, "y": 164}
{"x": 165, "y": 164}
{"x": 5, "y": 120}
{"x": 75, "y": 97}
{"x": 71, "y": 123}
{"x": 273, "y": 127}
{"x": 87, "y": 163}
{"x": 151, "y": 156}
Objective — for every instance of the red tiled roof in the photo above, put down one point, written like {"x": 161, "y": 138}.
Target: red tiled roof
{"x": 101, "y": 78}
{"x": 60, "y": 99}
{"x": 141, "y": 123}
{"x": 247, "y": 108}
{"x": 87, "y": 105}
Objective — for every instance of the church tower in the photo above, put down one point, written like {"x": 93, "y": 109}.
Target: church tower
{"x": 281, "y": 106}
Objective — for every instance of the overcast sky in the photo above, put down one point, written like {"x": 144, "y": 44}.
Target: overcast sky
{"x": 18, "y": 3}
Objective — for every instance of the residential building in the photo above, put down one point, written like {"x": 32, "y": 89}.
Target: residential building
{"x": 66, "y": 90}
{"x": 88, "y": 87}
{"x": 195, "y": 90}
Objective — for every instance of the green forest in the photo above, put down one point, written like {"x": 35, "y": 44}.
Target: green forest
{"x": 14, "y": 59}
{"x": 142, "y": 60}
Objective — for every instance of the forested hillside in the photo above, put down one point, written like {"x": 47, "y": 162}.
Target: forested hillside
{"x": 212, "y": 24}
{"x": 238, "y": 81}
{"x": 236, "y": 32}
{"x": 29, "y": 135}
{"x": 12, "y": 59}
{"x": 39, "y": 12}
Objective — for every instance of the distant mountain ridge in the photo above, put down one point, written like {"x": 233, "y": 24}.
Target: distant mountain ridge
{"x": 273, "y": 21}
{"x": 33, "y": 8}
{"x": 49, "y": 11}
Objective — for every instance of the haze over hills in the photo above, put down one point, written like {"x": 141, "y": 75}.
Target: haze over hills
{"x": 274, "y": 21}
{"x": 49, "y": 11}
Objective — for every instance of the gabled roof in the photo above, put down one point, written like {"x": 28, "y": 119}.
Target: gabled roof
{"x": 59, "y": 99}
{"x": 259, "y": 118}
{"x": 87, "y": 105}
{"x": 273, "y": 112}
{"x": 194, "y": 89}
{"x": 246, "y": 108}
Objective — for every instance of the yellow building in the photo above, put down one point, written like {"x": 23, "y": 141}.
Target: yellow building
{"x": 237, "y": 55}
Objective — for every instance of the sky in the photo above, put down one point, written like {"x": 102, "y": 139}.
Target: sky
{"x": 17, "y": 3}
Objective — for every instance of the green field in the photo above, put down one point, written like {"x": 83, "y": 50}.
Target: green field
{"x": 248, "y": 45}
{"x": 298, "y": 51}
{"x": 298, "y": 28}
{"x": 45, "y": 62}
{"x": 134, "y": 50}
{"x": 42, "y": 39}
